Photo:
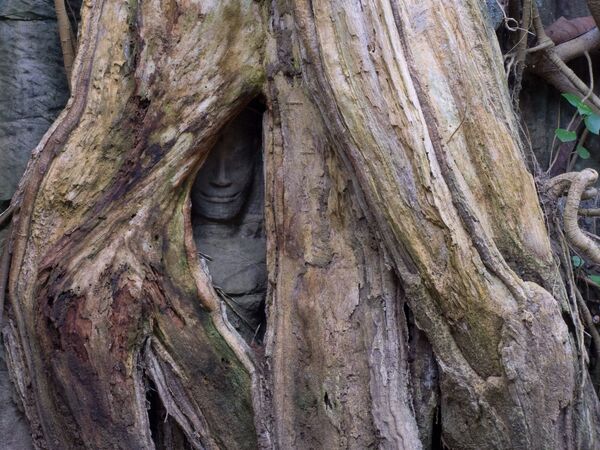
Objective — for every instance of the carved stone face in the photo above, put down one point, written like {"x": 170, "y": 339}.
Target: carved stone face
{"x": 223, "y": 183}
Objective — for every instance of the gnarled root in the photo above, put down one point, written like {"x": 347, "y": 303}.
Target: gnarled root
{"x": 578, "y": 186}
{"x": 560, "y": 184}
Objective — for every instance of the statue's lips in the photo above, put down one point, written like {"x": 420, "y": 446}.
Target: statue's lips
{"x": 220, "y": 198}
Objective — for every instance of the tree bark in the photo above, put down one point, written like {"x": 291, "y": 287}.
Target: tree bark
{"x": 395, "y": 188}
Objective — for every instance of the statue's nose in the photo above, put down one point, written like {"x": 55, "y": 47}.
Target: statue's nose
{"x": 221, "y": 179}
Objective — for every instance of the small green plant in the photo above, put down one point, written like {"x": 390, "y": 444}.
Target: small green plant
{"x": 580, "y": 267}
{"x": 565, "y": 135}
{"x": 590, "y": 119}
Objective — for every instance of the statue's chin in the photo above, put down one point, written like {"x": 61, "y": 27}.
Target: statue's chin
{"x": 220, "y": 212}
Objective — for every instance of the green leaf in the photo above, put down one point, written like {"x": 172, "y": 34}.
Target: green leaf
{"x": 578, "y": 103}
{"x": 577, "y": 261}
{"x": 592, "y": 123}
{"x": 565, "y": 135}
{"x": 595, "y": 278}
{"x": 573, "y": 99}
{"x": 585, "y": 110}
{"x": 583, "y": 152}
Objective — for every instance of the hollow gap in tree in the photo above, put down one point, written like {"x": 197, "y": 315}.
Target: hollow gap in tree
{"x": 228, "y": 221}
{"x": 4, "y": 204}
{"x": 166, "y": 432}
{"x": 425, "y": 380}
{"x": 437, "y": 443}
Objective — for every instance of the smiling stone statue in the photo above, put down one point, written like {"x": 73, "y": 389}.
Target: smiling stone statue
{"x": 228, "y": 220}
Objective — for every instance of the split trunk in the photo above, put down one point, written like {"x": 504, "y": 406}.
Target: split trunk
{"x": 413, "y": 295}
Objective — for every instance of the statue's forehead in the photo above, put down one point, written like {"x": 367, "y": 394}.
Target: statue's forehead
{"x": 238, "y": 141}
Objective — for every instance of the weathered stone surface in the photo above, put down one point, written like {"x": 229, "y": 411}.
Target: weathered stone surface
{"x": 568, "y": 8}
{"x": 27, "y": 10}
{"x": 14, "y": 430}
{"x": 34, "y": 88}
{"x": 495, "y": 14}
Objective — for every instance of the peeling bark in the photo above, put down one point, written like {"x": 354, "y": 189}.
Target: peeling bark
{"x": 492, "y": 331}
{"x": 337, "y": 341}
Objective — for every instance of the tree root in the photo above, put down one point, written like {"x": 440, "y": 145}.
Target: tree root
{"x": 582, "y": 243}
{"x": 579, "y": 188}
{"x": 589, "y": 324}
{"x": 521, "y": 48}
{"x": 592, "y": 212}
{"x": 549, "y": 60}
{"x": 66, "y": 37}
{"x": 576, "y": 47}
{"x": 560, "y": 184}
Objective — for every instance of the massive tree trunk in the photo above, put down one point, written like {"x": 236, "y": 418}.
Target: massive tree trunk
{"x": 405, "y": 240}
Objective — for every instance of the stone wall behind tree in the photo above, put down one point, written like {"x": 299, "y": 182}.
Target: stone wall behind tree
{"x": 33, "y": 83}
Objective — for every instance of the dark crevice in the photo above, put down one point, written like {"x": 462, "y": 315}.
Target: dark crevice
{"x": 228, "y": 221}
{"x": 4, "y": 204}
{"x": 327, "y": 402}
{"x": 156, "y": 410}
{"x": 569, "y": 322}
{"x": 426, "y": 394}
{"x": 409, "y": 322}
{"x": 437, "y": 442}
{"x": 166, "y": 432}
